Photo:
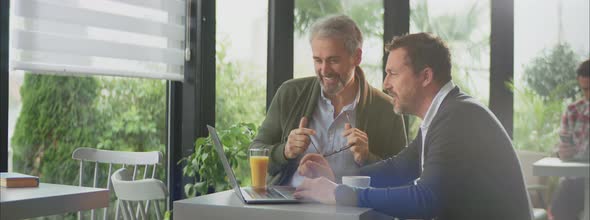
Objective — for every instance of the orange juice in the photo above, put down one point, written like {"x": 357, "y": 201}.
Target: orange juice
{"x": 258, "y": 166}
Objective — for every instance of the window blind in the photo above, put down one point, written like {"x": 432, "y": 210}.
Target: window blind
{"x": 133, "y": 38}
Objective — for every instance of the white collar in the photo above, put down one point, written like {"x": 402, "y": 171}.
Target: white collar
{"x": 438, "y": 99}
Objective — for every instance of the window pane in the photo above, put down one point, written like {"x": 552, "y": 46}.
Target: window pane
{"x": 465, "y": 27}
{"x": 551, "y": 38}
{"x": 50, "y": 116}
{"x": 368, "y": 14}
{"x": 241, "y": 62}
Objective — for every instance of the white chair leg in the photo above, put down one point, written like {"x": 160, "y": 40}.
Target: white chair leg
{"x": 157, "y": 207}
{"x": 117, "y": 210}
{"x": 104, "y": 214}
{"x": 142, "y": 212}
{"x": 123, "y": 210}
{"x": 129, "y": 209}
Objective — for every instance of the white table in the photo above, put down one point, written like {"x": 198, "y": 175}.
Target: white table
{"x": 49, "y": 199}
{"x": 227, "y": 206}
{"x": 551, "y": 166}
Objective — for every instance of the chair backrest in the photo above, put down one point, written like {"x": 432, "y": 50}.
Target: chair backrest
{"x": 141, "y": 192}
{"x": 143, "y": 165}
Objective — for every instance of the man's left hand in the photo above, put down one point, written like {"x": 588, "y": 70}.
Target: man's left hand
{"x": 359, "y": 142}
{"x": 315, "y": 165}
{"x": 318, "y": 189}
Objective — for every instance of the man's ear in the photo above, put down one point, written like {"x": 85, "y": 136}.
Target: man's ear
{"x": 428, "y": 76}
{"x": 358, "y": 56}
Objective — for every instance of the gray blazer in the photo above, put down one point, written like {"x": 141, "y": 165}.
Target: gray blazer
{"x": 470, "y": 170}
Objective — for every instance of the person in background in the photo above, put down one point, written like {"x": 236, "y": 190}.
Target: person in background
{"x": 461, "y": 165}
{"x": 568, "y": 200}
{"x": 337, "y": 108}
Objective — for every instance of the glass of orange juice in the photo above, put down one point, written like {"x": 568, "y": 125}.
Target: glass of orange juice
{"x": 258, "y": 167}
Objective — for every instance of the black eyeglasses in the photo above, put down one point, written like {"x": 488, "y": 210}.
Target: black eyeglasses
{"x": 336, "y": 151}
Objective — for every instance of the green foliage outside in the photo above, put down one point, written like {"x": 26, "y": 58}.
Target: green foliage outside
{"x": 240, "y": 107}
{"x": 553, "y": 75}
{"x": 60, "y": 114}
{"x": 57, "y": 116}
{"x": 549, "y": 86}
{"x": 205, "y": 167}
{"x": 239, "y": 96}
{"x": 458, "y": 30}
{"x": 134, "y": 112}
{"x": 368, "y": 14}
{"x": 536, "y": 120}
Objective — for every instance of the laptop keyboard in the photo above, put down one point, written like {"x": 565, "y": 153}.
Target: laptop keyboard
{"x": 269, "y": 193}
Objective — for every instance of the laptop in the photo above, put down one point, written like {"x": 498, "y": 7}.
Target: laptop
{"x": 272, "y": 194}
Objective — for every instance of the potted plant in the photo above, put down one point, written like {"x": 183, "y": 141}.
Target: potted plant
{"x": 204, "y": 166}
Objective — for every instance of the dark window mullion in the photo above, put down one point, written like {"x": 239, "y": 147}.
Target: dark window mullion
{"x": 502, "y": 61}
{"x": 396, "y": 22}
{"x": 192, "y": 102}
{"x": 4, "y": 33}
{"x": 280, "y": 45}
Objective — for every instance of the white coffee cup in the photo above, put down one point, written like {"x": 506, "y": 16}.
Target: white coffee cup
{"x": 357, "y": 181}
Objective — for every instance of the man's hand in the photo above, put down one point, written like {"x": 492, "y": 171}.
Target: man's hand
{"x": 359, "y": 142}
{"x": 319, "y": 189}
{"x": 314, "y": 166}
{"x": 298, "y": 140}
{"x": 566, "y": 151}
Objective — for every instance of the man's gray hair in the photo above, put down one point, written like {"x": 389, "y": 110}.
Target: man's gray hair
{"x": 338, "y": 26}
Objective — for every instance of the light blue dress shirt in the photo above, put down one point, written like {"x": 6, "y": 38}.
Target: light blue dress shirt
{"x": 329, "y": 137}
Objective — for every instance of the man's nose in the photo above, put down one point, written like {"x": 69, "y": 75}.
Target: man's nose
{"x": 386, "y": 84}
{"x": 324, "y": 68}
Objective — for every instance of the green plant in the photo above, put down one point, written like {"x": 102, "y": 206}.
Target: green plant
{"x": 536, "y": 120}
{"x": 240, "y": 94}
{"x": 366, "y": 13}
{"x": 62, "y": 113}
{"x": 205, "y": 167}
{"x": 57, "y": 116}
{"x": 468, "y": 42}
{"x": 467, "y": 35}
{"x": 553, "y": 73}
{"x": 549, "y": 84}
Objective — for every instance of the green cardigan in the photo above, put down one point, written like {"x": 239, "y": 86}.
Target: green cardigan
{"x": 298, "y": 97}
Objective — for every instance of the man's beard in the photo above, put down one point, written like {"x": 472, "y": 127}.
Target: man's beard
{"x": 332, "y": 89}
{"x": 398, "y": 109}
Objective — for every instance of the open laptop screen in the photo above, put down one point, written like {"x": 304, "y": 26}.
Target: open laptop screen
{"x": 228, "y": 170}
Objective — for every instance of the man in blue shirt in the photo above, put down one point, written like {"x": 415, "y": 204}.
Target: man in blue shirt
{"x": 461, "y": 165}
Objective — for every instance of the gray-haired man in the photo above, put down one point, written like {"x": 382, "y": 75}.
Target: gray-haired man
{"x": 335, "y": 109}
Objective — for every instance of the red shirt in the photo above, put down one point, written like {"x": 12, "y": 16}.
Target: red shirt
{"x": 576, "y": 120}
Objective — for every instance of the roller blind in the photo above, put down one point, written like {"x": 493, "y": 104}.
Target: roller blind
{"x": 133, "y": 38}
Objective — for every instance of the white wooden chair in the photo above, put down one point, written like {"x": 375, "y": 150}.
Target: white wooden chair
{"x": 131, "y": 191}
{"x": 144, "y": 166}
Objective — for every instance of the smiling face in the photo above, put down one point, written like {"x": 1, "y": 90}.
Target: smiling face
{"x": 402, "y": 83}
{"x": 334, "y": 65}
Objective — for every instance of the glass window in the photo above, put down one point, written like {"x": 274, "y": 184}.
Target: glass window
{"x": 368, "y": 14}
{"x": 465, "y": 27}
{"x": 241, "y": 40}
{"x": 551, "y": 38}
{"x": 241, "y": 62}
{"x": 52, "y": 115}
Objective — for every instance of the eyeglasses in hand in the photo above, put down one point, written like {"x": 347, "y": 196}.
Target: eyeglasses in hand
{"x": 336, "y": 151}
